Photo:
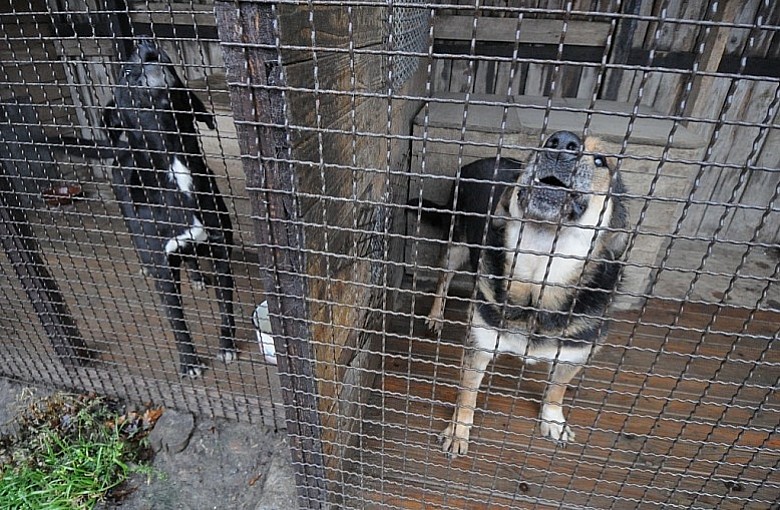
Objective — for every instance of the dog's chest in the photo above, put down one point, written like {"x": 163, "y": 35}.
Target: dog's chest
{"x": 180, "y": 174}
{"x": 544, "y": 257}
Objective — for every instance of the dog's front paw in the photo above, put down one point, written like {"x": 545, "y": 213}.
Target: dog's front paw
{"x": 455, "y": 439}
{"x": 199, "y": 285}
{"x": 227, "y": 355}
{"x": 553, "y": 424}
{"x": 198, "y": 280}
{"x": 192, "y": 371}
{"x": 435, "y": 321}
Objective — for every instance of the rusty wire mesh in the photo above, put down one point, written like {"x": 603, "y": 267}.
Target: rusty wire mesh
{"x": 344, "y": 117}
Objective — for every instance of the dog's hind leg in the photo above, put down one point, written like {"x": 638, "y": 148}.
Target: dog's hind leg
{"x": 552, "y": 422}
{"x": 454, "y": 258}
{"x": 224, "y": 289}
{"x": 455, "y": 438}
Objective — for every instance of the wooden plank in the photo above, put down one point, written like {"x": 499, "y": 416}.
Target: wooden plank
{"x": 734, "y": 143}
{"x": 589, "y": 79}
{"x": 710, "y": 57}
{"x": 620, "y": 49}
{"x": 536, "y": 80}
{"x": 637, "y": 432}
{"x": 761, "y": 188}
{"x": 176, "y": 13}
{"x": 532, "y": 31}
{"x": 738, "y": 36}
{"x": 330, "y": 102}
{"x": 326, "y": 26}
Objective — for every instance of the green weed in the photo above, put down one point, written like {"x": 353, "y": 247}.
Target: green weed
{"x": 68, "y": 453}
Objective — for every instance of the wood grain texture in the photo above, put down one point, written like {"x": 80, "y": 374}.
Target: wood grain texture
{"x": 661, "y": 418}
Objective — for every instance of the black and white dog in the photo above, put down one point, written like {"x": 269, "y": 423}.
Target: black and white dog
{"x": 168, "y": 196}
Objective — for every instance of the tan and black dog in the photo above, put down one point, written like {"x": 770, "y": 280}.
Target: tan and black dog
{"x": 547, "y": 275}
{"x": 479, "y": 189}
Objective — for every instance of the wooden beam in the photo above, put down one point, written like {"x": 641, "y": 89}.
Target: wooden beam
{"x": 714, "y": 46}
{"x": 532, "y": 31}
{"x": 258, "y": 111}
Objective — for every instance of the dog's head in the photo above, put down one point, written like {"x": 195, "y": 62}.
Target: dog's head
{"x": 564, "y": 180}
{"x": 148, "y": 83}
{"x": 149, "y": 70}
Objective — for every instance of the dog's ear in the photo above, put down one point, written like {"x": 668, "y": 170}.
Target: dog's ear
{"x": 200, "y": 111}
{"x": 501, "y": 213}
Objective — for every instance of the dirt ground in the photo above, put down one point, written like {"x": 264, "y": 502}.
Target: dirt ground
{"x": 201, "y": 463}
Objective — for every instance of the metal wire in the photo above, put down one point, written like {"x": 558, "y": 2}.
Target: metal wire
{"x": 338, "y": 128}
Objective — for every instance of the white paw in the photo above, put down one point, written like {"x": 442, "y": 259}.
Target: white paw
{"x": 227, "y": 355}
{"x": 455, "y": 440}
{"x": 553, "y": 424}
{"x": 434, "y": 323}
{"x": 198, "y": 285}
{"x": 194, "y": 372}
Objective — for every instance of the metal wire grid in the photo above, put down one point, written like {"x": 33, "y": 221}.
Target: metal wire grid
{"x": 396, "y": 463}
{"x": 59, "y": 68}
{"x": 679, "y": 408}
{"x": 409, "y": 35}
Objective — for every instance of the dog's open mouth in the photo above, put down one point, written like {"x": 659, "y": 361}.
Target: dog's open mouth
{"x": 150, "y": 56}
{"x": 150, "y": 68}
{"x": 549, "y": 198}
{"x": 552, "y": 182}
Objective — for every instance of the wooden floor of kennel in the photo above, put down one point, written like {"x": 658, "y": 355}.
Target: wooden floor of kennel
{"x": 661, "y": 419}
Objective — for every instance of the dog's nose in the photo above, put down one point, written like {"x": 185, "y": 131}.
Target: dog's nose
{"x": 563, "y": 140}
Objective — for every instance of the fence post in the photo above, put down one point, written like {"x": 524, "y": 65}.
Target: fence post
{"x": 247, "y": 36}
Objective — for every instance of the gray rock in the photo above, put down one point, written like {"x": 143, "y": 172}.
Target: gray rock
{"x": 172, "y": 431}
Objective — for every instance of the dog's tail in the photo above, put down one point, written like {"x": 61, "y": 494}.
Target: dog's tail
{"x": 438, "y": 215}
{"x": 84, "y": 147}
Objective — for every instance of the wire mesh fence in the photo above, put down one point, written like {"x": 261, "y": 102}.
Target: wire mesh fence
{"x": 455, "y": 211}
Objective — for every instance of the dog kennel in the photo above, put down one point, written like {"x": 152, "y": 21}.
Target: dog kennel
{"x": 332, "y": 118}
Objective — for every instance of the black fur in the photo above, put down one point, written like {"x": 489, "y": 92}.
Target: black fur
{"x": 151, "y": 123}
{"x": 480, "y": 187}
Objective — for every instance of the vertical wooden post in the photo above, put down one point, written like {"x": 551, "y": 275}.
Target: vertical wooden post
{"x": 247, "y": 35}
{"x": 711, "y": 53}
{"x": 621, "y": 48}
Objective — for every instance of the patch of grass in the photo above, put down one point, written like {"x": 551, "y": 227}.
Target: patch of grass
{"x": 69, "y": 452}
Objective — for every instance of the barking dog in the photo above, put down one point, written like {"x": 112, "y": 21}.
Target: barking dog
{"x": 546, "y": 276}
{"x": 168, "y": 195}
{"x": 479, "y": 191}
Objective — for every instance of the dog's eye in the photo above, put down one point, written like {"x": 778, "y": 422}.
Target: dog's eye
{"x": 600, "y": 161}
